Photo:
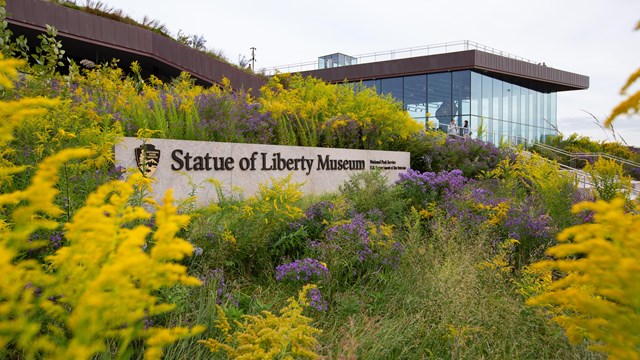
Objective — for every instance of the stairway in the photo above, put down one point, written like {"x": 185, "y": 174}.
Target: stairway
{"x": 584, "y": 179}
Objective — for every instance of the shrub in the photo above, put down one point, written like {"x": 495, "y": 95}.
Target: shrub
{"x": 268, "y": 336}
{"x": 233, "y": 117}
{"x": 242, "y": 233}
{"x": 478, "y": 206}
{"x": 98, "y": 288}
{"x": 598, "y": 298}
{"x": 421, "y": 146}
{"x": 369, "y": 190}
{"x": 471, "y": 156}
{"x": 608, "y": 179}
{"x": 529, "y": 175}
{"x": 420, "y": 189}
{"x": 304, "y": 270}
{"x": 357, "y": 246}
{"x": 310, "y": 112}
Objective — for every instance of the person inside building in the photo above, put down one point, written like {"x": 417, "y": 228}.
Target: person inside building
{"x": 465, "y": 129}
{"x": 453, "y": 129}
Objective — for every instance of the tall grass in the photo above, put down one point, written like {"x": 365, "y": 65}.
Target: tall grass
{"x": 441, "y": 304}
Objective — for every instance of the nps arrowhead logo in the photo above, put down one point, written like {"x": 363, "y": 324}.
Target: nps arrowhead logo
{"x": 147, "y": 158}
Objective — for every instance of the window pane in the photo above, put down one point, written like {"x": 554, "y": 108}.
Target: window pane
{"x": 524, "y": 96}
{"x": 497, "y": 105}
{"x": 515, "y": 111}
{"x": 487, "y": 89}
{"x": 476, "y": 93}
{"x": 461, "y": 91}
{"x": 541, "y": 113}
{"x": 553, "y": 109}
{"x": 372, "y": 84}
{"x": 439, "y": 97}
{"x": 415, "y": 95}
{"x": 392, "y": 86}
{"x": 545, "y": 112}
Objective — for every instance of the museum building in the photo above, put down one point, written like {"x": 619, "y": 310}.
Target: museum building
{"x": 501, "y": 96}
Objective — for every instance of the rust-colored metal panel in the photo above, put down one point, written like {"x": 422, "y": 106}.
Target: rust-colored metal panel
{"x": 100, "y": 38}
{"x": 60, "y": 19}
{"x": 393, "y": 68}
{"x": 41, "y": 17}
{"x": 538, "y": 75}
{"x": 534, "y": 76}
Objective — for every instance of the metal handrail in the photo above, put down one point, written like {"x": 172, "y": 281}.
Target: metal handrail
{"x": 585, "y": 178}
{"x": 597, "y": 154}
{"x": 580, "y": 175}
{"x": 609, "y": 156}
{"x": 441, "y": 48}
{"x": 529, "y": 143}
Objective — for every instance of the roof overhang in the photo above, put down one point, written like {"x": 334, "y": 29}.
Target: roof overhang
{"x": 538, "y": 77}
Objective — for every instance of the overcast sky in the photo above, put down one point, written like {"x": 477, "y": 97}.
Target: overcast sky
{"x": 589, "y": 37}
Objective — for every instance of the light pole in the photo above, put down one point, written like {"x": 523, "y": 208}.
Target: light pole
{"x": 253, "y": 58}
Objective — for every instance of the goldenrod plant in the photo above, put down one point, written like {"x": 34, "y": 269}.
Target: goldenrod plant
{"x": 95, "y": 294}
{"x": 262, "y": 216}
{"x": 554, "y": 188}
{"x": 310, "y": 112}
{"x": 12, "y": 114}
{"x": 598, "y": 295}
{"x": 598, "y": 298}
{"x": 268, "y": 336}
{"x": 608, "y": 179}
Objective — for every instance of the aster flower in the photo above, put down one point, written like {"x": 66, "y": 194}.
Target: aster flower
{"x": 303, "y": 270}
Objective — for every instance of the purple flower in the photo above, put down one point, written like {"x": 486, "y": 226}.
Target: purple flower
{"x": 148, "y": 322}
{"x": 303, "y": 270}
{"x": 215, "y": 278}
{"x": 56, "y": 239}
{"x": 316, "y": 301}
{"x": 423, "y": 188}
{"x": 358, "y": 245}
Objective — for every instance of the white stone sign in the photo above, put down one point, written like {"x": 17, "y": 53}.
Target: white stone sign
{"x": 186, "y": 166}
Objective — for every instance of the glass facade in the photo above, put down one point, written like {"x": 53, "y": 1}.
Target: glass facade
{"x": 496, "y": 110}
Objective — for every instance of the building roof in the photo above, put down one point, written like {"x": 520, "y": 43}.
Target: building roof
{"x": 538, "y": 77}
{"x": 109, "y": 39}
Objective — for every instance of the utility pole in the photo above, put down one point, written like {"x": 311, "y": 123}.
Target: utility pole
{"x": 253, "y": 58}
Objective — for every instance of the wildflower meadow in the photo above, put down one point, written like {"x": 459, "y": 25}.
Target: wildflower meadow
{"x": 476, "y": 251}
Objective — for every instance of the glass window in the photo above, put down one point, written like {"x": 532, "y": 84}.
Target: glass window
{"x": 478, "y": 127}
{"x": 439, "y": 97}
{"x": 392, "y": 86}
{"x": 494, "y": 134}
{"x": 531, "y": 105}
{"x": 415, "y": 95}
{"x": 487, "y": 89}
{"x": 515, "y": 111}
{"x": 541, "y": 114}
{"x": 553, "y": 108}
{"x": 497, "y": 105}
{"x": 476, "y": 93}
{"x": 524, "y": 97}
{"x": 545, "y": 111}
{"x": 461, "y": 91}
{"x": 506, "y": 101}
{"x": 372, "y": 83}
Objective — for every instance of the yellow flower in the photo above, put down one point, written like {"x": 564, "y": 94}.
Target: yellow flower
{"x": 598, "y": 297}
